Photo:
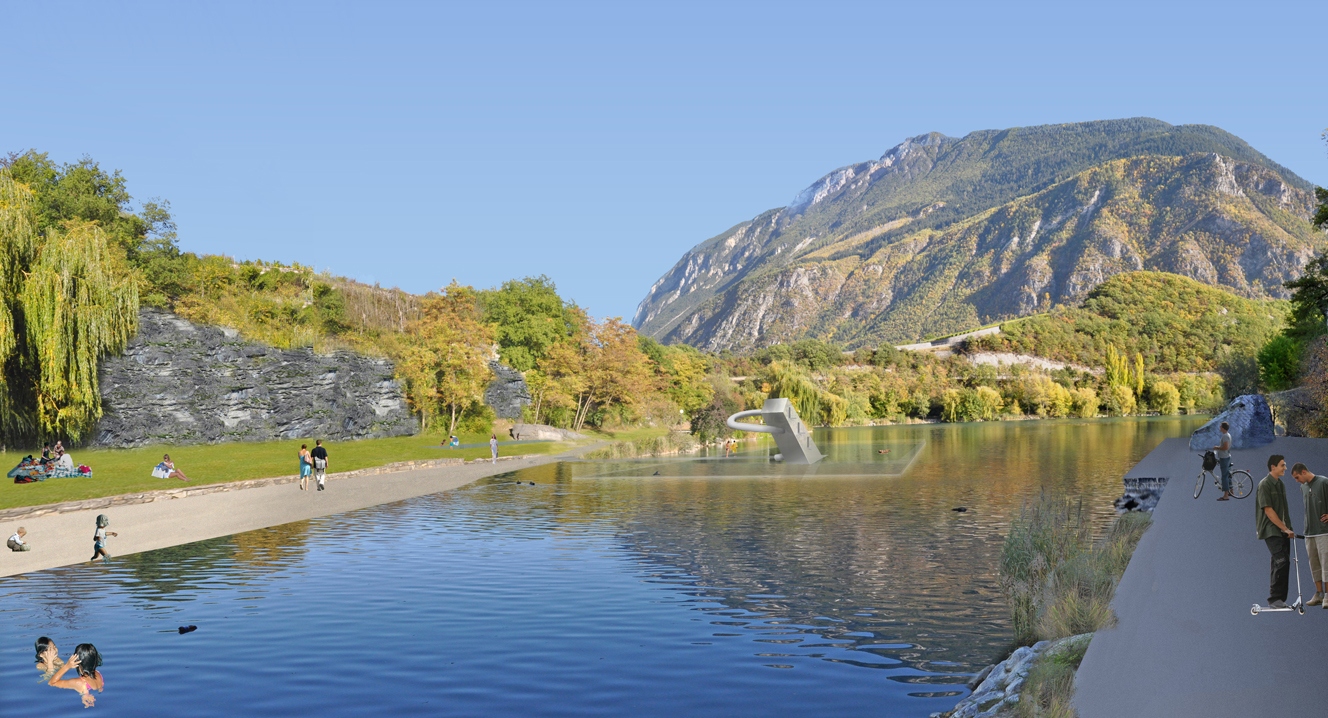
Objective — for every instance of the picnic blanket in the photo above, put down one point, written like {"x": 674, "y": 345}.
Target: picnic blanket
{"x": 30, "y": 470}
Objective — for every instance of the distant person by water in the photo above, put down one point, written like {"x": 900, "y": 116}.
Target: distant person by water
{"x": 99, "y": 539}
{"x": 86, "y": 660}
{"x": 16, "y": 542}
{"x": 1273, "y": 523}
{"x": 1223, "y": 450}
{"x": 306, "y": 466}
{"x": 48, "y": 657}
{"x": 319, "y": 455}
{"x": 493, "y": 446}
{"x": 1314, "y": 489}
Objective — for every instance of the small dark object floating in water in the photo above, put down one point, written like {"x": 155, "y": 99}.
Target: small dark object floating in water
{"x": 961, "y": 509}
{"x": 187, "y": 629}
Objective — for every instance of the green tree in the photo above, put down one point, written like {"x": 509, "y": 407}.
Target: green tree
{"x": 1309, "y": 296}
{"x": 1120, "y": 400}
{"x": 69, "y": 298}
{"x": 528, "y": 317}
{"x": 1164, "y": 398}
{"x": 1279, "y": 363}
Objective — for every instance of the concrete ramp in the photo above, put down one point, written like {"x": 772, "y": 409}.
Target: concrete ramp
{"x": 1186, "y": 644}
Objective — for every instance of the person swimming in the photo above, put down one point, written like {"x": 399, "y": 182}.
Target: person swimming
{"x": 48, "y": 657}
{"x": 86, "y": 660}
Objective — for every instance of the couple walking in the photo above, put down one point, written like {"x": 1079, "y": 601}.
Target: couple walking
{"x": 313, "y": 462}
{"x": 1272, "y": 521}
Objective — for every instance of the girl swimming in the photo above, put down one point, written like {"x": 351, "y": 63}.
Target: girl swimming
{"x": 48, "y": 657}
{"x": 87, "y": 660}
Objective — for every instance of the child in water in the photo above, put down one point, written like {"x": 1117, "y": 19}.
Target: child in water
{"x": 87, "y": 660}
{"x": 48, "y": 657}
{"x": 99, "y": 539}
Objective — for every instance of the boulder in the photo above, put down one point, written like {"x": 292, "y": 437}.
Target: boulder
{"x": 507, "y": 393}
{"x": 541, "y": 432}
{"x": 1251, "y": 425}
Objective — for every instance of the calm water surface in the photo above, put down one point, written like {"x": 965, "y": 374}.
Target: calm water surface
{"x": 600, "y": 590}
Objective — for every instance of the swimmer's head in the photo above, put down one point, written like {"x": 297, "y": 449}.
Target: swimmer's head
{"x": 89, "y": 660}
{"x": 103, "y": 521}
{"x": 44, "y": 645}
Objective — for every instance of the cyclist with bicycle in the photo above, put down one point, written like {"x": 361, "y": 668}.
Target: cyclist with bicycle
{"x": 1224, "y": 460}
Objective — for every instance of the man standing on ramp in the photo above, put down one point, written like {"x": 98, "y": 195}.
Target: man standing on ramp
{"x": 1315, "y": 490}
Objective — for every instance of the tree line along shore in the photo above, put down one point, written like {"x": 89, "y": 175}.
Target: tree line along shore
{"x": 78, "y": 258}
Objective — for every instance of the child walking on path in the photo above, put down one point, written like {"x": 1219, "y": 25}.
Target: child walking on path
{"x": 99, "y": 539}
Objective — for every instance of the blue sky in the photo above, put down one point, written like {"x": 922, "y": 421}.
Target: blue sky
{"x": 410, "y": 143}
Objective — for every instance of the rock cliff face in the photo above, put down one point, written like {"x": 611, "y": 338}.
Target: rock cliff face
{"x": 507, "y": 393}
{"x": 181, "y": 383}
{"x": 942, "y": 235}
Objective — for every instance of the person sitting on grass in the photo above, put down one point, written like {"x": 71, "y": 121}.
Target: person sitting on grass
{"x": 170, "y": 466}
{"x": 16, "y": 543}
{"x": 1272, "y": 522}
{"x": 86, "y": 660}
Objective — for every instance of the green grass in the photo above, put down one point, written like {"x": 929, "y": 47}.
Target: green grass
{"x": 123, "y": 471}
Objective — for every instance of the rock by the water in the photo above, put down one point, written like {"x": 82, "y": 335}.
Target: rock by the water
{"x": 507, "y": 393}
{"x": 997, "y": 692}
{"x": 181, "y": 383}
{"x": 1251, "y": 425}
{"x": 541, "y": 432}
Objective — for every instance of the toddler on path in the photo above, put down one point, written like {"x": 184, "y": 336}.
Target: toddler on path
{"x": 99, "y": 539}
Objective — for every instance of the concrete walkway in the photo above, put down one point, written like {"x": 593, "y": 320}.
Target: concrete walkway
{"x": 1186, "y": 644}
{"x": 66, "y": 538}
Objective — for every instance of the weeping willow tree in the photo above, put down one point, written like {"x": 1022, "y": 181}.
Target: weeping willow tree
{"x": 69, "y": 299}
{"x": 814, "y": 405}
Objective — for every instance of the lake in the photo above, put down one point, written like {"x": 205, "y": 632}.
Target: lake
{"x": 602, "y": 589}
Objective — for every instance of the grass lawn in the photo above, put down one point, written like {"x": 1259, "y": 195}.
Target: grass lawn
{"x": 124, "y": 471}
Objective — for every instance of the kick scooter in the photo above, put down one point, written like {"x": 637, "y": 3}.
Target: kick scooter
{"x": 1299, "y": 605}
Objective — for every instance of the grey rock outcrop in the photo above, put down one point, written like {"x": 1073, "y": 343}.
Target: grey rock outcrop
{"x": 507, "y": 393}
{"x": 181, "y": 383}
{"x": 541, "y": 432}
{"x": 1251, "y": 425}
{"x": 997, "y": 693}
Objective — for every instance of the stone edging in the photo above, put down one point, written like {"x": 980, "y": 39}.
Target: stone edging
{"x": 147, "y": 497}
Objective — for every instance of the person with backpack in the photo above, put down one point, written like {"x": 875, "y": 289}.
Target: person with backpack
{"x": 319, "y": 455}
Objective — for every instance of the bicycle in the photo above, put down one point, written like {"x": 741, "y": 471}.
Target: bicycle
{"x": 1242, "y": 484}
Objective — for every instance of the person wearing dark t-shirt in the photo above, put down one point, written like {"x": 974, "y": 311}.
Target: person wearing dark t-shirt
{"x": 1272, "y": 521}
{"x": 319, "y": 455}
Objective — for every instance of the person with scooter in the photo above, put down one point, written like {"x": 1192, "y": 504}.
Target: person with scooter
{"x": 1273, "y": 524}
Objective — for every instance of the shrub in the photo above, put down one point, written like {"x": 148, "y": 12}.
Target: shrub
{"x": 1279, "y": 363}
{"x": 1120, "y": 400}
{"x": 1083, "y": 403}
{"x": 1164, "y": 398}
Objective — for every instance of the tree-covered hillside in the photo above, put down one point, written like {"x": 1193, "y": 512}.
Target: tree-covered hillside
{"x": 943, "y": 234}
{"x": 1176, "y": 323}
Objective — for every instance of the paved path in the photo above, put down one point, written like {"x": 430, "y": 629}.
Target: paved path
{"x": 1186, "y": 644}
{"x": 65, "y": 539}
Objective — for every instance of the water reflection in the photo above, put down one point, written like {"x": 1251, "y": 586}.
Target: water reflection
{"x": 590, "y": 593}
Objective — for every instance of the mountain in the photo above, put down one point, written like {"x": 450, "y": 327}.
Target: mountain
{"x": 943, "y": 234}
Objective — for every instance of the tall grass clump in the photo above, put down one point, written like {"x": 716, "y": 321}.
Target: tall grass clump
{"x": 671, "y": 443}
{"x": 1057, "y": 580}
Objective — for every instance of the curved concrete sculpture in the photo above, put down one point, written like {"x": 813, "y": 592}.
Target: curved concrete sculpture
{"x": 781, "y": 421}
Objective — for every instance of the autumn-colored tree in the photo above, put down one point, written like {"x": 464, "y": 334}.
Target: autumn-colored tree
{"x": 445, "y": 360}
{"x": 616, "y": 370}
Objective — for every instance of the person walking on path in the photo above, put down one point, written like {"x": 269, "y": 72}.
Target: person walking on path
{"x": 319, "y": 455}
{"x": 16, "y": 543}
{"x": 493, "y": 446}
{"x": 1315, "y": 491}
{"x": 1273, "y": 524}
{"x": 1224, "y": 460}
{"x": 306, "y": 467}
{"x": 99, "y": 539}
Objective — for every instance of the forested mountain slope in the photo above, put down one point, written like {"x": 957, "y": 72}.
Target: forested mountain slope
{"x": 944, "y": 234}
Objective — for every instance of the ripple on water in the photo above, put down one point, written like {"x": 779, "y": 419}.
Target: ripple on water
{"x": 585, "y": 594}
